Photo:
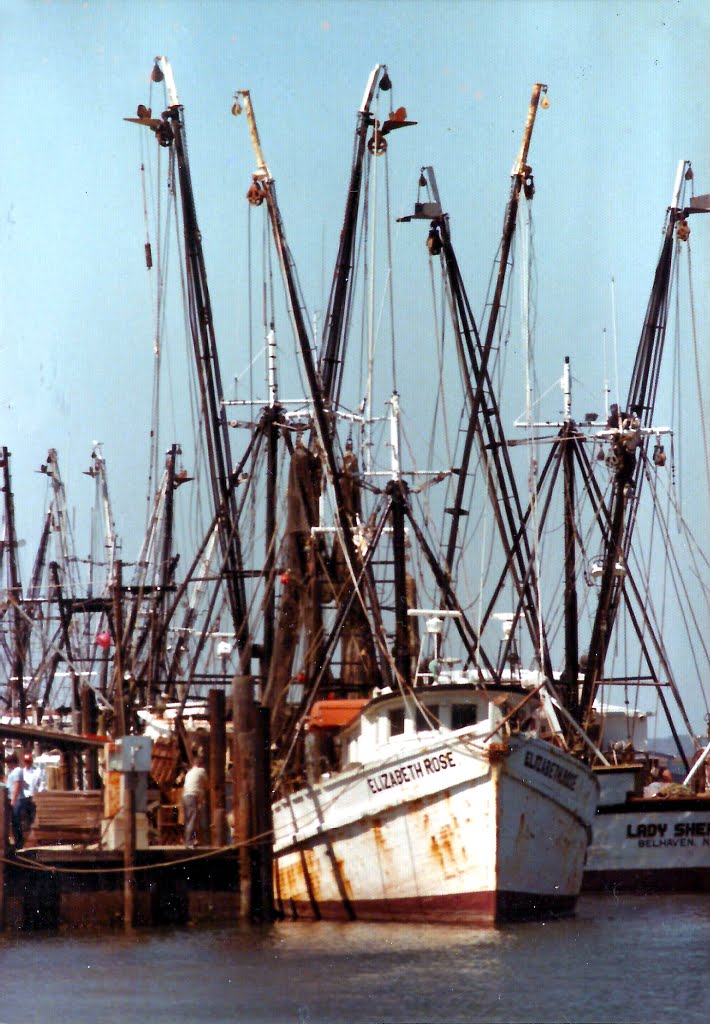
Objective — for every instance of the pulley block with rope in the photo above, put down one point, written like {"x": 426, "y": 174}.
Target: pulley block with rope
{"x": 376, "y": 144}
{"x": 160, "y": 126}
{"x": 256, "y": 194}
{"x": 433, "y": 242}
{"x": 528, "y": 182}
{"x": 165, "y": 135}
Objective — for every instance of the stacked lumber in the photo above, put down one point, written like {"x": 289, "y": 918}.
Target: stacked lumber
{"x": 66, "y": 817}
{"x": 164, "y": 759}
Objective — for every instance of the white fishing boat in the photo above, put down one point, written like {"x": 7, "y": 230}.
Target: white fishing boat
{"x": 438, "y": 805}
{"x": 437, "y": 812}
{"x": 648, "y": 843}
{"x": 619, "y": 484}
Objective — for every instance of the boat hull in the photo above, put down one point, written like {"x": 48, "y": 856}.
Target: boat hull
{"x": 448, "y": 832}
{"x": 650, "y": 845}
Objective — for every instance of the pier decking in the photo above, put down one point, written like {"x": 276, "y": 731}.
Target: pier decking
{"x": 51, "y": 887}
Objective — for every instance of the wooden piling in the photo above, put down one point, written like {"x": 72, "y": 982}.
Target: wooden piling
{"x": 252, "y": 802}
{"x": 89, "y": 726}
{"x": 129, "y": 850}
{"x": 120, "y": 726}
{"x": 263, "y": 898}
{"x": 243, "y": 715}
{"x": 218, "y": 751}
{"x": 4, "y": 846}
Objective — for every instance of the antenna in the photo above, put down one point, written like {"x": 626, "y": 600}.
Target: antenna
{"x": 606, "y": 376}
{"x": 614, "y": 340}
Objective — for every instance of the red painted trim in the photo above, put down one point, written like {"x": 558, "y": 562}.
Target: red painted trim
{"x": 464, "y": 908}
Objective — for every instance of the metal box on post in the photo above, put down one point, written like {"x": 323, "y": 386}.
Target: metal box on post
{"x": 127, "y": 763}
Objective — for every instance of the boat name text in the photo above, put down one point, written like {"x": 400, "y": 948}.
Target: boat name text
{"x": 410, "y": 772}
{"x": 551, "y": 769}
{"x": 657, "y": 834}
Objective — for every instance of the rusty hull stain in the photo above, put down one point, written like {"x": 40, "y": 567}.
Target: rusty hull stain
{"x": 442, "y": 849}
{"x": 343, "y": 877}
{"x": 313, "y": 869}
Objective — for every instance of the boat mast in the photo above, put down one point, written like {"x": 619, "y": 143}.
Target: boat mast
{"x": 484, "y": 422}
{"x": 397, "y": 491}
{"x": 569, "y": 680}
{"x": 14, "y": 591}
{"x": 263, "y": 189}
{"x": 628, "y": 447}
{"x": 331, "y": 359}
{"x": 170, "y": 131}
{"x": 272, "y": 416}
{"x": 166, "y": 568}
{"x": 103, "y": 504}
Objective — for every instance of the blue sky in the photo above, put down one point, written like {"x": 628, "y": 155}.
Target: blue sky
{"x": 628, "y": 93}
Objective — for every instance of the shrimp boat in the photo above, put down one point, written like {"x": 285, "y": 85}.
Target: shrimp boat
{"x": 437, "y": 813}
{"x": 402, "y": 788}
{"x": 437, "y": 796}
{"x": 646, "y": 835}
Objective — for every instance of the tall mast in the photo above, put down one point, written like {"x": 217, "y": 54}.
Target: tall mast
{"x": 264, "y": 189}
{"x": 568, "y": 436}
{"x": 14, "y": 591}
{"x": 628, "y": 444}
{"x": 330, "y": 362}
{"x": 166, "y": 567}
{"x": 521, "y": 178}
{"x": 102, "y": 502}
{"x": 170, "y": 131}
{"x": 484, "y": 421}
{"x": 397, "y": 491}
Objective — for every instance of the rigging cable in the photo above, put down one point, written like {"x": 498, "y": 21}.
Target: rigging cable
{"x": 390, "y": 288}
{"x": 681, "y": 589}
{"x": 525, "y": 224}
{"x": 698, "y": 376}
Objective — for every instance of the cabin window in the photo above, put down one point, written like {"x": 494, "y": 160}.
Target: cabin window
{"x": 428, "y": 718}
{"x": 463, "y": 715}
{"x": 396, "y": 717}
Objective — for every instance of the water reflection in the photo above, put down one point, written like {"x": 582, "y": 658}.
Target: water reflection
{"x": 613, "y": 961}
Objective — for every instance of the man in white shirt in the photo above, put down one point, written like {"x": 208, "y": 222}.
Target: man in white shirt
{"x": 14, "y": 786}
{"x": 194, "y": 801}
{"x": 24, "y": 783}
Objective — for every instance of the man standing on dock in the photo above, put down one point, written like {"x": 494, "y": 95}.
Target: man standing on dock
{"x": 14, "y": 789}
{"x": 194, "y": 796}
{"x": 24, "y": 783}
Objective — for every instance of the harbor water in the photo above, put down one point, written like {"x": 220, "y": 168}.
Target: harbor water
{"x": 620, "y": 959}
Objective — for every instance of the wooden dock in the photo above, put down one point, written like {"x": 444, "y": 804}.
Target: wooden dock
{"x": 86, "y": 862}
{"x": 54, "y": 887}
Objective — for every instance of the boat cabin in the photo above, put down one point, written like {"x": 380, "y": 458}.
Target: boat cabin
{"x": 355, "y": 732}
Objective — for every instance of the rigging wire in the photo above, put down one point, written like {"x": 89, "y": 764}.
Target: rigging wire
{"x": 390, "y": 287}
{"x": 528, "y": 348}
{"x": 698, "y": 375}
{"x": 696, "y": 640}
{"x": 371, "y": 290}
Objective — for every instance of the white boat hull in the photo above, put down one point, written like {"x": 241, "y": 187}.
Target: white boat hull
{"x": 447, "y": 831}
{"x": 651, "y": 844}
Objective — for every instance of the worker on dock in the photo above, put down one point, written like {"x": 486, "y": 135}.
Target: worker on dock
{"x": 24, "y": 783}
{"x": 14, "y": 776}
{"x": 194, "y": 800}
